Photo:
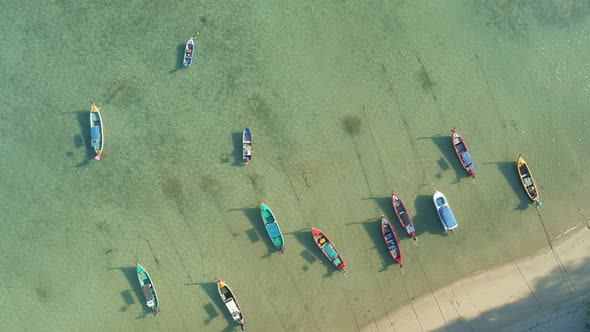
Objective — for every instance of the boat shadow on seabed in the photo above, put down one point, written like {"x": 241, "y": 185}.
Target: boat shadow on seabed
{"x": 83, "y": 139}
{"x": 258, "y": 231}
{"x": 236, "y": 153}
{"x": 312, "y": 253}
{"x": 210, "y": 308}
{"x": 373, "y": 229}
{"x": 130, "y": 274}
{"x": 445, "y": 146}
{"x": 509, "y": 171}
{"x": 179, "y": 58}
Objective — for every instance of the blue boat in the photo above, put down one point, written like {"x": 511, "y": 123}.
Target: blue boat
{"x": 447, "y": 219}
{"x": 272, "y": 227}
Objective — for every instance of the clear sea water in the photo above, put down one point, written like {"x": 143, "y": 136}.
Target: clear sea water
{"x": 347, "y": 101}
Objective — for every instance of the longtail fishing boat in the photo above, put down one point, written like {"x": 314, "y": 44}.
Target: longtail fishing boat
{"x": 391, "y": 241}
{"x": 247, "y": 146}
{"x": 231, "y": 303}
{"x": 326, "y": 246}
{"x": 528, "y": 182}
{"x": 189, "y": 50}
{"x": 148, "y": 289}
{"x": 462, "y": 153}
{"x": 272, "y": 227}
{"x": 96, "y": 131}
{"x": 402, "y": 215}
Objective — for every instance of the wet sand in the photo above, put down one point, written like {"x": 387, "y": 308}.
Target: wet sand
{"x": 535, "y": 294}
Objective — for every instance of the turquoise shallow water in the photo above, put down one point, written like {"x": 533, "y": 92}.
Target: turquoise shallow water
{"x": 346, "y": 102}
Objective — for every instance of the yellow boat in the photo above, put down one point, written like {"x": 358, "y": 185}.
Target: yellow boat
{"x": 528, "y": 182}
{"x": 96, "y": 131}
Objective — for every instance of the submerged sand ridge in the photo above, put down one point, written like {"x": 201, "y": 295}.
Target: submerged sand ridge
{"x": 535, "y": 293}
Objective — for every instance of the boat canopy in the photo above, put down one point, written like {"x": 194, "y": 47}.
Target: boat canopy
{"x": 149, "y": 295}
{"x": 273, "y": 230}
{"x": 447, "y": 217}
{"x": 95, "y": 132}
{"x": 337, "y": 262}
{"x": 410, "y": 229}
{"x": 233, "y": 308}
{"x": 405, "y": 218}
{"x": 391, "y": 245}
{"x": 330, "y": 251}
{"x": 466, "y": 157}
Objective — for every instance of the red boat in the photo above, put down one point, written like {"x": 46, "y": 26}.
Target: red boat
{"x": 328, "y": 249}
{"x": 463, "y": 153}
{"x": 402, "y": 215}
{"x": 391, "y": 241}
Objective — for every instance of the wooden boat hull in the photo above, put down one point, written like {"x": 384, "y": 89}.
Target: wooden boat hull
{"x": 329, "y": 250}
{"x": 403, "y": 216}
{"x": 96, "y": 131}
{"x": 445, "y": 215}
{"x": 247, "y": 146}
{"x": 527, "y": 180}
{"x": 391, "y": 240}
{"x": 272, "y": 227}
{"x": 231, "y": 303}
{"x": 189, "y": 50}
{"x": 462, "y": 153}
{"x": 148, "y": 289}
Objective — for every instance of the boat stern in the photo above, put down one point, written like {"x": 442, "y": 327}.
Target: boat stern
{"x": 447, "y": 219}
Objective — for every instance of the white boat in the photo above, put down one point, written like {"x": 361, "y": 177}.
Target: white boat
{"x": 229, "y": 299}
{"x": 188, "y": 52}
{"x": 447, "y": 219}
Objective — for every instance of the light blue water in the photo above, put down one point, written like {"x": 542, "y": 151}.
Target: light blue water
{"x": 346, "y": 102}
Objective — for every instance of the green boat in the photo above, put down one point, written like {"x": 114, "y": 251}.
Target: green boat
{"x": 272, "y": 227}
{"x": 148, "y": 289}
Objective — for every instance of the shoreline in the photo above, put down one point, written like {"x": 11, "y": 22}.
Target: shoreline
{"x": 547, "y": 288}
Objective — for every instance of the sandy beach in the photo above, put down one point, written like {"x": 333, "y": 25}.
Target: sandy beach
{"x": 532, "y": 294}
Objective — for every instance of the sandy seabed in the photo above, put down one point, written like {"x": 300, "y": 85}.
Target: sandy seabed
{"x": 546, "y": 292}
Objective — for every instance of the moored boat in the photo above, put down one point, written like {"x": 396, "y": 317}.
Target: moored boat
{"x": 402, "y": 215}
{"x": 189, "y": 50}
{"x": 272, "y": 227}
{"x": 528, "y": 182}
{"x": 96, "y": 131}
{"x": 463, "y": 153}
{"x": 447, "y": 219}
{"x": 148, "y": 289}
{"x": 391, "y": 241}
{"x": 231, "y": 303}
{"x": 326, "y": 246}
{"x": 247, "y": 145}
